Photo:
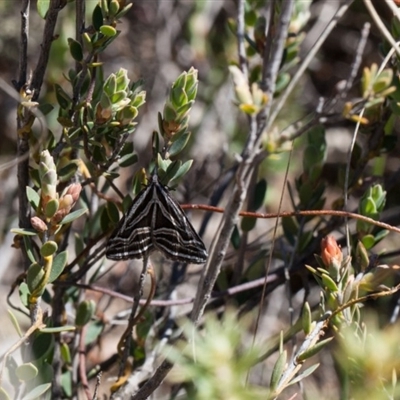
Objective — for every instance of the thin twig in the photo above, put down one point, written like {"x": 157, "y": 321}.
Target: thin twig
{"x": 37, "y": 325}
{"x": 82, "y": 363}
{"x": 23, "y": 50}
{"x": 169, "y": 303}
{"x": 310, "y": 56}
{"x": 240, "y": 34}
{"x": 48, "y": 37}
{"x": 80, "y": 8}
{"x": 306, "y": 213}
{"x": 125, "y": 341}
{"x": 309, "y": 341}
{"x": 381, "y": 26}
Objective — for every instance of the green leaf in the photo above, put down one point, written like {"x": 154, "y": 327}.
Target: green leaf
{"x": 63, "y": 99}
{"x": 30, "y": 251}
{"x": 108, "y": 30}
{"x": 368, "y": 241}
{"x": 23, "y": 231}
{"x": 93, "y": 331}
{"x": 113, "y": 7}
{"x": 172, "y": 169}
{"x": 59, "y": 263}
{"x": 67, "y": 172}
{"x": 97, "y": 17}
{"x": 306, "y": 318}
{"x": 65, "y": 353}
{"x": 33, "y": 197}
{"x": 51, "y": 208}
{"x": 58, "y": 329}
{"x": 24, "y": 293}
{"x": 313, "y": 350}
{"x": 248, "y": 223}
{"x": 179, "y": 144}
{"x": 66, "y": 383}
{"x": 169, "y": 113}
{"x": 42, "y": 346}
{"x": 112, "y": 211}
{"x": 117, "y": 97}
{"x": 329, "y": 283}
{"x": 75, "y": 49}
{"x": 37, "y": 391}
{"x": 162, "y": 164}
{"x": 304, "y": 374}
{"x": 73, "y": 216}
{"x": 85, "y": 312}
{"x": 128, "y": 159}
{"x": 278, "y": 370}
{"x": 43, "y": 7}
{"x": 48, "y": 248}
{"x": 26, "y": 372}
{"x": 184, "y": 168}
{"x": 34, "y": 276}
{"x": 15, "y": 322}
{"x": 124, "y": 10}
{"x": 259, "y": 194}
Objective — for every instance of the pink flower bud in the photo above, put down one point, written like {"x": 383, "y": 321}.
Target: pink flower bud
{"x": 38, "y": 224}
{"x": 74, "y": 190}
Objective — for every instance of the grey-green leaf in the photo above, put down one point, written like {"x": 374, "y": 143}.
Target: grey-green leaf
{"x": 73, "y": 216}
{"x": 59, "y": 263}
{"x": 33, "y": 197}
{"x": 38, "y": 391}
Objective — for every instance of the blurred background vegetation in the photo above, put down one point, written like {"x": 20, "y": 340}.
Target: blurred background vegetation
{"x": 250, "y": 335}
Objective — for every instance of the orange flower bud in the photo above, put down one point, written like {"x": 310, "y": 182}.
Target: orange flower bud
{"x": 330, "y": 252}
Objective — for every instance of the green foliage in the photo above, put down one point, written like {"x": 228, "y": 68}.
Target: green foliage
{"x": 215, "y": 363}
{"x": 75, "y": 164}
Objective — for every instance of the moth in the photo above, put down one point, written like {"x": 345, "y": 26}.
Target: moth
{"x": 155, "y": 221}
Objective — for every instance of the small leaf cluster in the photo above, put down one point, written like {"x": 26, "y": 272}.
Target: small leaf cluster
{"x": 256, "y": 38}
{"x": 344, "y": 281}
{"x": 173, "y": 125}
{"x": 371, "y": 205}
{"x": 104, "y": 124}
{"x": 376, "y": 86}
{"x": 53, "y": 213}
{"x": 368, "y": 354}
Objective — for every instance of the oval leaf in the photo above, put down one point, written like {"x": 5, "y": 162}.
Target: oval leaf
{"x": 108, "y": 30}
{"x": 179, "y": 144}
{"x": 48, "y": 248}
{"x": 26, "y": 372}
{"x": 32, "y": 197}
{"x": 59, "y": 263}
{"x": 73, "y": 216}
{"x": 37, "y": 391}
{"x": 34, "y": 277}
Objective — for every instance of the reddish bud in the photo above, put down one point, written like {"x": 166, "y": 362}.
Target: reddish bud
{"x": 330, "y": 251}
